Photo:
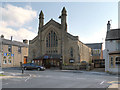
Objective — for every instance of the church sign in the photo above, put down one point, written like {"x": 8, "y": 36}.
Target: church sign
{"x": 71, "y": 60}
{"x": 45, "y": 57}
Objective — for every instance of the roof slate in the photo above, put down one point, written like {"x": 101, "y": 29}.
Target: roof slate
{"x": 113, "y": 34}
{"x": 94, "y": 45}
{"x": 14, "y": 43}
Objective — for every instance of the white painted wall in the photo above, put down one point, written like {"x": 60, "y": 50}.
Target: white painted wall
{"x": 119, "y": 14}
{"x": 0, "y": 51}
{"x": 110, "y": 46}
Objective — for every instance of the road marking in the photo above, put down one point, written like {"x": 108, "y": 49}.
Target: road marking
{"x": 102, "y": 82}
{"x": 114, "y": 82}
{"x": 5, "y": 84}
{"x": 80, "y": 78}
{"x": 28, "y": 77}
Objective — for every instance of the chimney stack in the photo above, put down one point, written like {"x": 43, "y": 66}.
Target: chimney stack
{"x": 11, "y": 38}
{"x": 2, "y": 36}
{"x": 108, "y": 26}
{"x": 25, "y": 41}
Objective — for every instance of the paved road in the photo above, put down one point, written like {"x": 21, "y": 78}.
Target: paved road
{"x": 58, "y": 79}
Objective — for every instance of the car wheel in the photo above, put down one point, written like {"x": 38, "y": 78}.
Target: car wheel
{"x": 38, "y": 69}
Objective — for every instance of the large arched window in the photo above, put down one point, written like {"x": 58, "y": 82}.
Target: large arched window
{"x": 51, "y": 42}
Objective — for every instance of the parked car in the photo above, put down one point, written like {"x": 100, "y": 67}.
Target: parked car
{"x": 33, "y": 66}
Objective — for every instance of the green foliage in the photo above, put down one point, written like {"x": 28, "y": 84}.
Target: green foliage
{"x": 2, "y": 75}
{"x": 30, "y": 61}
{"x": 90, "y": 61}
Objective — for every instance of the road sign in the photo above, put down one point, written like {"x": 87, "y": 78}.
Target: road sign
{"x": 45, "y": 57}
{"x": 12, "y": 55}
{"x": 5, "y": 54}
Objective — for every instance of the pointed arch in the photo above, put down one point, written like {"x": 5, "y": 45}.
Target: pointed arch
{"x": 51, "y": 42}
{"x": 51, "y": 39}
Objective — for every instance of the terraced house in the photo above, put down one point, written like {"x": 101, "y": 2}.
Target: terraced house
{"x": 112, "y": 50}
{"x": 13, "y": 52}
{"x": 54, "y": 44}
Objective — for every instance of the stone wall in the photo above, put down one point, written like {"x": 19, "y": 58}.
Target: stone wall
{"x": 16, "y": 59}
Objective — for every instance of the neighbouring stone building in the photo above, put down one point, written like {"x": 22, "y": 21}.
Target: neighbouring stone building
{"x": 54, "y": 44}
{"x": 97, "y": 54}
{"x": 112, "y": 50}
{"x": 97, "y": 50}
{"x": 13, "y": 52}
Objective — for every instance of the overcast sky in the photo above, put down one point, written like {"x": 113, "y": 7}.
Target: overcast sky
{"x": 87, "y": 20}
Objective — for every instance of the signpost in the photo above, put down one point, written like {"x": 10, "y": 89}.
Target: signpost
{"x": 61, "y": 62}
{"x": 0, "y": 61}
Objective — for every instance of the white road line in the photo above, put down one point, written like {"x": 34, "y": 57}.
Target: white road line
{"x": 28, "y": 77}
{"x": 102, "y": 82}
{"x": 5, "y": 84}
{"x": 80, "y": 78}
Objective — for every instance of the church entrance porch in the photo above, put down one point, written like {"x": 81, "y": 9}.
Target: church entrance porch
{"x": 48, "y": 61}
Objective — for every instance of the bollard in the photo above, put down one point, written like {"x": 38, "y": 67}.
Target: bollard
{"x": 22, "y": 70}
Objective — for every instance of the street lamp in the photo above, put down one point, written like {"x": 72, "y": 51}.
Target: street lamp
{"x": 1, "y": 52}
{"x": 61, "y": 62}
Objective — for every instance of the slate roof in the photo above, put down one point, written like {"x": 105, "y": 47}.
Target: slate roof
{"x": 14, "y": 43}
{"x": 94, "y": 45}
{"x": 113, "y": 34}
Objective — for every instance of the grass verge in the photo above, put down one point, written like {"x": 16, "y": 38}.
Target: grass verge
{"x": 2, "y": 75}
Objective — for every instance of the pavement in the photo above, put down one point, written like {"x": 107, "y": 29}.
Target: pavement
{"x": 12, "y": 74}
{"x": 115, "y": 86}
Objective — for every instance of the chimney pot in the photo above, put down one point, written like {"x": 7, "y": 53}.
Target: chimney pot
{"x": 25, "y": 41}
{"x": 2, "y": 36}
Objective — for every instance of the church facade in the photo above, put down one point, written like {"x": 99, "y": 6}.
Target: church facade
{"x": 54, "y": 45}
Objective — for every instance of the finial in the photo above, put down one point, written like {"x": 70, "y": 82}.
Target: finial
{"x": 41, "y": 15}
{"x": 108, "y": 22}
{"x": 64, "y": 10}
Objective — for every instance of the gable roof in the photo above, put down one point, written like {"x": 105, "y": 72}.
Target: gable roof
{"x": 33, "y": 40}
{"x": 53, "y": 22}
{"x": 94, "y": 45}
{"x": 14, "y": 43}
{"x": 113, "y": 34}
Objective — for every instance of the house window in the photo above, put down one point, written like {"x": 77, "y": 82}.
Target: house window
{"x": 9, "y": 60}
{"x": 9, "y": 48}
{"x": 4, "y": 61}
{"x": 19, "y": 49}
{"x": 111, "y": 60}
{"x": 118, "y": 45}
{"x": 117, "y": 61}
{"x": 71, "y": 52}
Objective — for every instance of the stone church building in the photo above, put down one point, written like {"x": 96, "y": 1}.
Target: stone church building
{"x": 54, "y": 45}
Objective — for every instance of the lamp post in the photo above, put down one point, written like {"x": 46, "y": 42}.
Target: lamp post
{"x": 61, "y": 62}
{"x": 1, "y": 52}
